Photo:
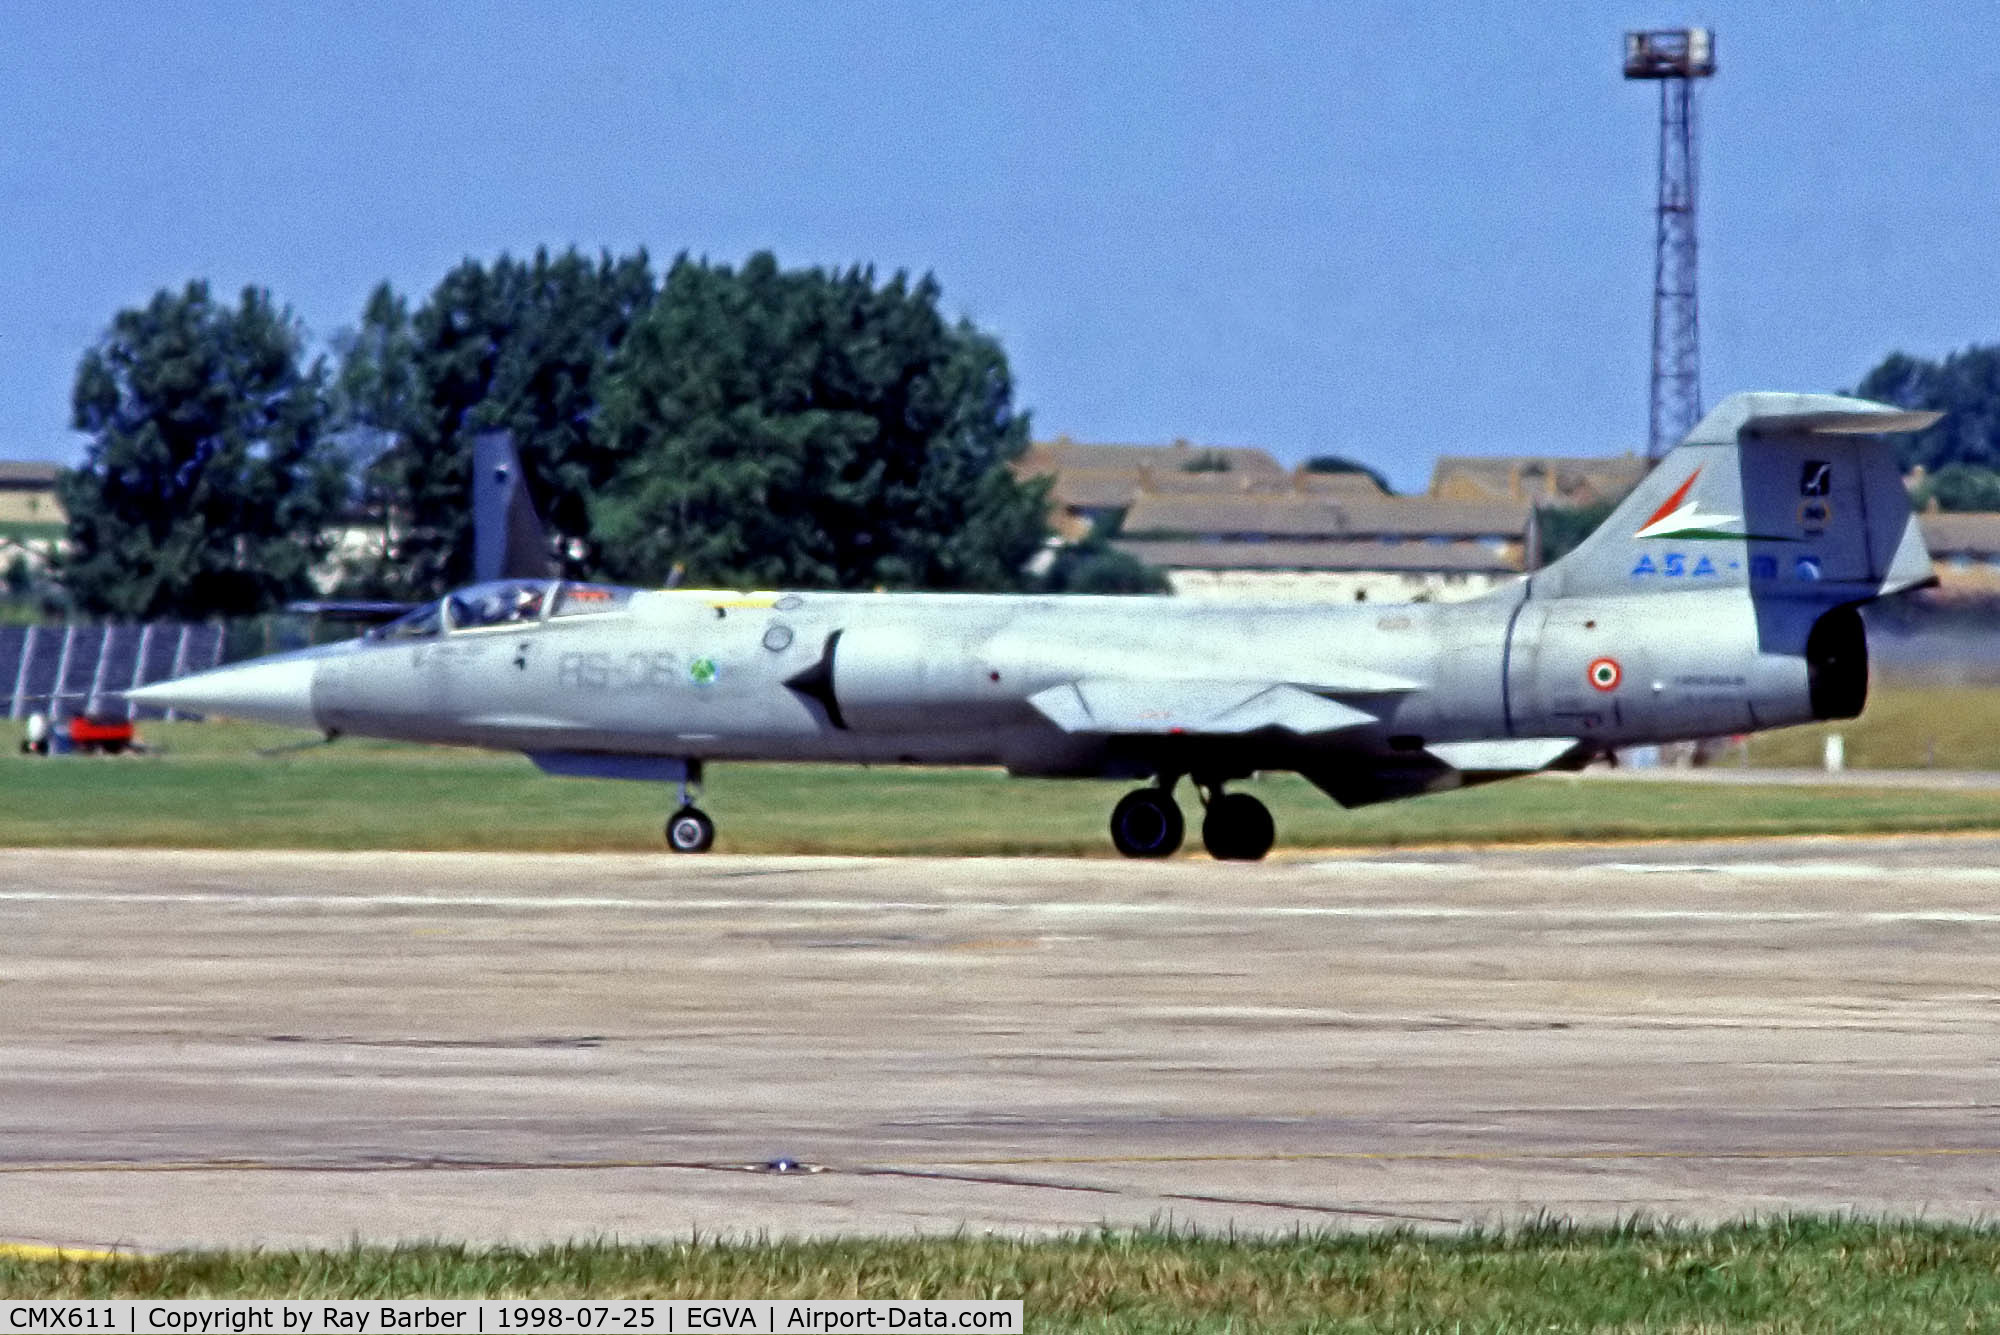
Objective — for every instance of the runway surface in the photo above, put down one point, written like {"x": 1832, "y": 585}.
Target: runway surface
{"x": 209, "y": 1048}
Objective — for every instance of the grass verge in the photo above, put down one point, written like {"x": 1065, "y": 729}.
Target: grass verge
{"x": 1786, "y": 1274}
{"x": 1905, "y": 726}
{"x": 208, "y": 787}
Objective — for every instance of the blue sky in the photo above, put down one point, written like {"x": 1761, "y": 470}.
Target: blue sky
{"x": 1384, "y": 230}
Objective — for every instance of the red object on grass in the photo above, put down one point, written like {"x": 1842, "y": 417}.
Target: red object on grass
{"x": 100, "y": 732}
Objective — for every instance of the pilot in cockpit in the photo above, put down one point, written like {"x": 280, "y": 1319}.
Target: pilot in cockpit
{"x": 498, "y": 604}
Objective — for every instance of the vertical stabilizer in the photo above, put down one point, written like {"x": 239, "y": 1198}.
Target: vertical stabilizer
{"x": 1787, "y": 495}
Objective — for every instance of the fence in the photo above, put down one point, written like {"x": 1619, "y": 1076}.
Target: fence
{"x": 85, "y": 667}
{"x": 61, "y": 670}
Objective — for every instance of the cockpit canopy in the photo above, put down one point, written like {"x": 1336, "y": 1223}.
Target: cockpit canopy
{"x": 504, "y": 602}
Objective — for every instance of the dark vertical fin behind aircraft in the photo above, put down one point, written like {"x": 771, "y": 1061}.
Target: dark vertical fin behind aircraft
{"x": 508, "y": 540}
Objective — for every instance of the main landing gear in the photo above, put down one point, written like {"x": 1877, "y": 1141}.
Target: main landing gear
{"x": 1147, "y": 823}
{"x": 1237, "y": 828}
{"x": 689, "y": 830}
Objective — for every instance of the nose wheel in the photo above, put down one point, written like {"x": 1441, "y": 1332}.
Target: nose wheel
{"x": 1147, "y": 823}
{"x": 689, "y": 830}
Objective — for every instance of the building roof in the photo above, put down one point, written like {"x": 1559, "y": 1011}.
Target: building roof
{"x": 1282, "y": 515}
{"x": 1176, "y": 482}
{"x": 1426, "y": 517}
{"x": 1061, "y": 454}
{"x": 1096, "y": 488}
{"x": 1558, "y": 478}
{"x": 1962, "y": 534}
{"x": 1447, "y": 558}
{"x": 28, "y": 473}
{"x": 1289, "y": 515}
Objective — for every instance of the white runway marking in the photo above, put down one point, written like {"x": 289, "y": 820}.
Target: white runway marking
{"x": 1801, "y": 871}
{"x": 1363, "y": 912}
{"x": 1789, "y": 871}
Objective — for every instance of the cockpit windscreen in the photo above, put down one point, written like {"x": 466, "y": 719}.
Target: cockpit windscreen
{"x": 578, "y": 599}
{"x": 502, "y": 602}
{"x": 412, "y": 625}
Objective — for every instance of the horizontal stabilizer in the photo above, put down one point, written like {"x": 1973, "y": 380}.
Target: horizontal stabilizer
{"x": 1873, "y": 423}
{"x": 1124, "y": 706}
{"x": 1764, "y": 414}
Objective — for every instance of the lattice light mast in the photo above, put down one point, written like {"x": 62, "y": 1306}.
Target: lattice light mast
{"x": 1674, "y": 58}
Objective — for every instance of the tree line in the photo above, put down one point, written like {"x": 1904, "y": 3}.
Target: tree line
{"x": 738, "y": 425}
{"x": 1960, "y": 455}
{"x": 746, "y": 425}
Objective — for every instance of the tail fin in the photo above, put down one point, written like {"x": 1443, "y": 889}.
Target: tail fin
{"x": 508, "y": 541}
{"x": 1787, "y": 495}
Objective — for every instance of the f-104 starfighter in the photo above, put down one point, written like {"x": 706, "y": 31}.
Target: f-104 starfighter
{"x": 1719, "y": 598}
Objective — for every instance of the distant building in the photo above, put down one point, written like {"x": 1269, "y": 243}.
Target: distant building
{"x": 1366, "y": 547}
{"x": 28, "y": 494}
{"x": 32, "y": 520}
{"x": 1091, "y": 482}
{"x": 1232, "y": 521}
{"x": 1548, "y": 480}
{"x": 1965, "y": 551}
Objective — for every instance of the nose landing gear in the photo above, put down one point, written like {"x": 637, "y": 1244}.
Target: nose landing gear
{"x": 689, "y": 830}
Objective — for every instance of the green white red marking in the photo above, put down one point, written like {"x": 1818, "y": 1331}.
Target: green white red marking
{"x": 1605, "y": 674}
{"x": 1684, "y": 519}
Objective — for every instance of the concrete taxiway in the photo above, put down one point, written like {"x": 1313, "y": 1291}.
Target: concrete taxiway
{"x": 211, "y": 1048}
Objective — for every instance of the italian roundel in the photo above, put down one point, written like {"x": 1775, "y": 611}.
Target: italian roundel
{"x": 1604, "y": 674}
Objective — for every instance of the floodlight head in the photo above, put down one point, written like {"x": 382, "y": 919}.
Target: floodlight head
{"x": 1670, "y": 53}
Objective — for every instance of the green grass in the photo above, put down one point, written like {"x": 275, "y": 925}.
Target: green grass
{"x": 1795, "y": 1274}
{"x": 208, "y": 787}
{"x": 1903, "y": 727}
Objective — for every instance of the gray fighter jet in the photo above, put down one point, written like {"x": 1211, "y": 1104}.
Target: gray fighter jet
{"x": 1719, "y": 598}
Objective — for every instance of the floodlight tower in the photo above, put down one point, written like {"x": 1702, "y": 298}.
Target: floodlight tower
{"x": 1674, "y": 58}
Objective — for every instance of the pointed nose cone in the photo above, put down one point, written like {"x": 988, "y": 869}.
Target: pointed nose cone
{"x": 268, "y": 690}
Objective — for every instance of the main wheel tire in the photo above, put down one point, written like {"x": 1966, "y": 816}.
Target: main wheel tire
{"x": 1238, "y": 828}
{"x": 1147, "y": 823}
{"x": 689, "y": 830}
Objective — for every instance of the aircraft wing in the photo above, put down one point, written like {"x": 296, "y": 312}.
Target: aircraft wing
{"x": 350, "y": 609}
{"x": 1126, "y": 706}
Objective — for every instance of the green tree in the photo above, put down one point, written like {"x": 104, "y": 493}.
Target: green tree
{"x": 374, "y": 400}
{"x": 515, "y": 344}
{"x": 1093, "y": 565}
{"x": 207, "y": 488}
{"x": 1564, "y": 527}
{"x": 812, "y": 428}
{"x": 1339, "y": 463}
{"x": 1965, "y": 386}
{"x": 1960, "y": 487}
